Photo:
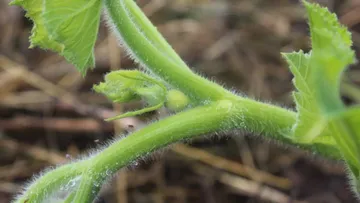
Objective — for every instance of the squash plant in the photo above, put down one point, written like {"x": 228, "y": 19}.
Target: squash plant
{"x": 321, "y": 122}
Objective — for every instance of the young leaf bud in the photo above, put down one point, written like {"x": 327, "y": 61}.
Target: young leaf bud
{"x": 130, "y": 85}
{"x": 120, "y": 86}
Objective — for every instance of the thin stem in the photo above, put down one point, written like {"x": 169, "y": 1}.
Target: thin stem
{"x": 344, "y": 127}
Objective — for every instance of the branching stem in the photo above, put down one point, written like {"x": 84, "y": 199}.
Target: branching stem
{"x": 214, "y": 110}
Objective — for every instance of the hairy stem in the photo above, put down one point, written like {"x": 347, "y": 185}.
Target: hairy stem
{"x": 89, "y": 186}
{"x": 174, "y": 73}
{"x": 197, "y": 121}
{"x": 273, "y": 123}
{"x": 218, "y": 116}
{"x": 220, "y": 110}
{"x": 50, "y": 182}
{"x": 223, "y": 115}
{"x": 151, "y": 33}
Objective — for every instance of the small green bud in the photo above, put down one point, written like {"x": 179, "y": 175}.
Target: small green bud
{"x": 130, "y": 85}
{"x": 120, "y": 86}
{"x": 176, "y": 100}
{"x": 152, "y": 95}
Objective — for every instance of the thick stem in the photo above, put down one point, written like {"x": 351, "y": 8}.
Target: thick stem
{"x": 222, "y": 115}
{"x": 218, "y": 116}
{"x": 150, "y": 32}
{"x": 89, "y": 186}
{"x": 197, "y": 121}
{"x": 274, "y": 123}
{"x": 261, "y": 118}
{"x": 50, "y": 182}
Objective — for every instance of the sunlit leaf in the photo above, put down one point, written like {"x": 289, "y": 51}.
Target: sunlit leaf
{"x": 68, "y": 27}
{"x": 310, "y": 122}
{"x": 322, "y": 116}
{"x": 331, "y": 54}
{"x": 39, "y": 34}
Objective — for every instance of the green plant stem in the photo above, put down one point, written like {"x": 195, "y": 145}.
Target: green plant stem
{"x": 50, "y": 182}
{"x": 200, "y": 120}
{"x": 347, "y": 143}
{"x": 218, "y": 116}
{"x": 222, "y": 115}
{"x": 143, "y": 50}
{"x": 260, "y": 118}
{"x": 274, "y": 123}
{"x": 89, "y": 187}
{"x": 150, "y": 32}
{"x": 220, "y": 110}
{"x": 70, "y": 198}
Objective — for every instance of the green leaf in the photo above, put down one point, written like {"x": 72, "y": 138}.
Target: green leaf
{"x": 346, "y": 125}
{"x": 322, "y": 116}
{"x": 68, "y": 27}
{"x": 39, "y": 34}
{"x": 310, "y": 122}
{"x": 317, "y": 75}
{"x": 331, "y": 54}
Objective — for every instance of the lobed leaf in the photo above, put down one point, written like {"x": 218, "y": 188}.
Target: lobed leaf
{"x": 322, "y": 116}
{"x": 331, "y": 54}
{"x": 39, "y": 34}
{"x": 68, "y": 27}
{"x": 317, "y": 75}
{"x": 310, "y": 122}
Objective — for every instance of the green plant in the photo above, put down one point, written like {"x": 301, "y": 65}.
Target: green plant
{"x": 322, "y": 123}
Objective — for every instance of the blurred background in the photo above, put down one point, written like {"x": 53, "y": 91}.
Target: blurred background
{"x": 49, "y": 113}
